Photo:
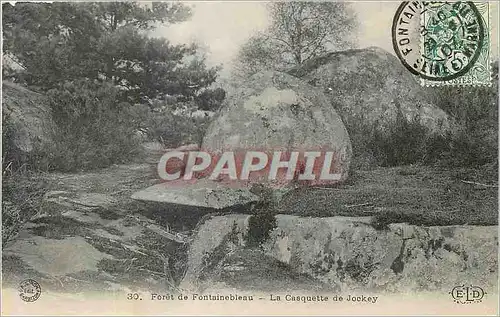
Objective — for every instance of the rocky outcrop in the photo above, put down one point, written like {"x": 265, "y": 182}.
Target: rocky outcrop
{"x": 371, "y": 86}
{"x": 27, "y": 118}
{"x": 75, "y": 245}
{"x": 349, "y": 254}
{"x": 90, "y": 236}
{"x": 275, "y": 111}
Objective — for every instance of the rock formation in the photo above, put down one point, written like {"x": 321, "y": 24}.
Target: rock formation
{"x": 27, "y": 117}
{"x": 275, "y": 111}
{"x": 370, "y": 85}
{"x": 349, "y": 254}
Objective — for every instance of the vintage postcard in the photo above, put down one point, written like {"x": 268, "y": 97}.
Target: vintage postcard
{"x": 250, "y": 158}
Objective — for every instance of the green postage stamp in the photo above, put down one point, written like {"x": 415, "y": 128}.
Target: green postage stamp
{"x": 453, "y": 42}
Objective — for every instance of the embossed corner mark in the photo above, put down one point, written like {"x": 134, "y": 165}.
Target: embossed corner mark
{"x": 444, "y": 43}
{"x": 29, "y": 290}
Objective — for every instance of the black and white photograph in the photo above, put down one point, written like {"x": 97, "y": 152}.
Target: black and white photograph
{"x": 250, "y": 158}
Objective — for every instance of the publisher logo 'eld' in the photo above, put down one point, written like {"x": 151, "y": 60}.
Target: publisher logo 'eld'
{"x": 467, "y": 294}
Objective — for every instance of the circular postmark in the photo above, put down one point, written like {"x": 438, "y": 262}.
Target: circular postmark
{"x": 29, "y": 290}
{"x": 438, "y": 40}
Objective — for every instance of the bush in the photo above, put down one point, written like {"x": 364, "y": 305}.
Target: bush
{"x": 465, "y": 149}
{"x": 93, "y": 129}
{"x": 260, "y": 226}
{"x": 403, "y": 142}
{"x": 174, "y": 128}
{"x": 263, "y": 219}
{"x": 210, "y": 99}
{"x": 475, "y": 111}
{"x": 22, "y": 194}
{"x": 472, "y": 142}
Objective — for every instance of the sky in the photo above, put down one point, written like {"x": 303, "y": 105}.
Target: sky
{"x": 223, "y": 26}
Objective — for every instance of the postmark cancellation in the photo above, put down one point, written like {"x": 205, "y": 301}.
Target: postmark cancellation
{"x": 445, "y": 43}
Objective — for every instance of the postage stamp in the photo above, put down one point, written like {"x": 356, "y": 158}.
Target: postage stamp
{"x": 455, "y": 43}
{"x": 444, "y": 43}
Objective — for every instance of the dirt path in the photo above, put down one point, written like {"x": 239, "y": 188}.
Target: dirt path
{"x": 90, "y": 235}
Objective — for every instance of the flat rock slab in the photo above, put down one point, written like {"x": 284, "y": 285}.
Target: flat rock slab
{"x": 81, "y": 199}
{"x": 58, "y": 257}
{"x": 202, "y": 193}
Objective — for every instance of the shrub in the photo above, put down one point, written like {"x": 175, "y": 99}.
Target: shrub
{"x": 404, "y": 142}
{"x": 263, "y": 220}
{"x": 465, "y": 149}
{"x": 22, "y": 194}
{"x": 475, "y": 111}
{"x": 260, "y": 226}
{"x": 93, "y": 129}
{"x": 174, "y": 128}
{"x": 401, "y": 143}
{"x": 473, "y": 141}
{"x": 210, "y": 99}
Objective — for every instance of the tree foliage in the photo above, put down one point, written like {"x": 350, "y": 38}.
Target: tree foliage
{"x": 298, "y": 32}
{"x": 106, "y": 42}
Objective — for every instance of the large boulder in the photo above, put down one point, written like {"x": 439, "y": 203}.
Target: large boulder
{"x": 27, "y": 117}
{"x": 274, "y": 111}
{"x": 371, "y": 86}
{"x": 347, "y": 254}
